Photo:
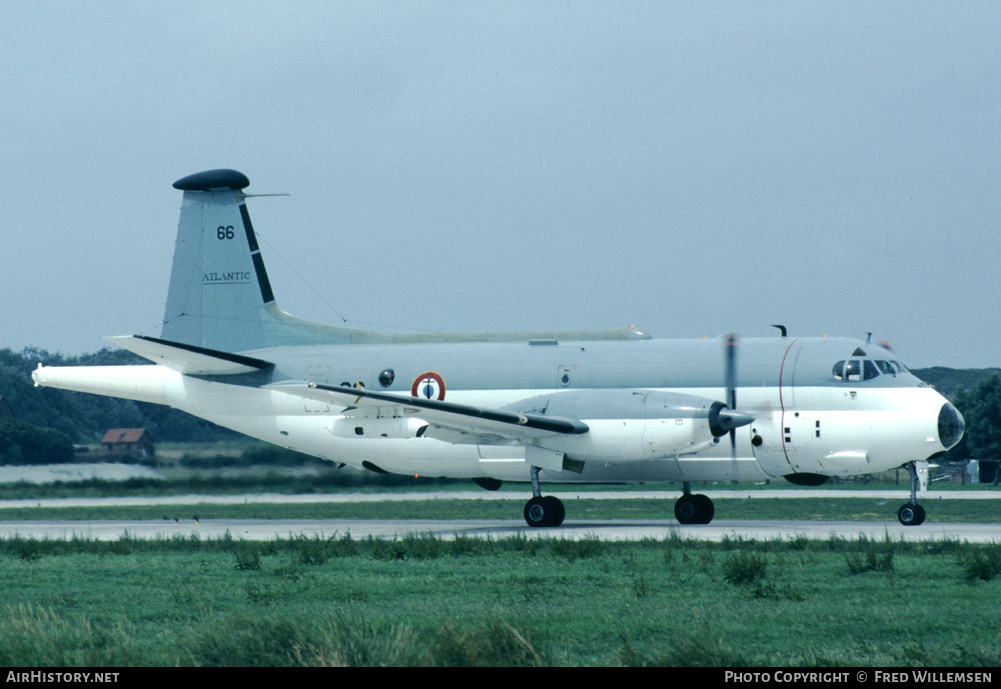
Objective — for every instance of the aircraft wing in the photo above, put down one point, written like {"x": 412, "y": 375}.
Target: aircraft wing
{"x": 189, "y": 359}
{"x": 455, "y": 422}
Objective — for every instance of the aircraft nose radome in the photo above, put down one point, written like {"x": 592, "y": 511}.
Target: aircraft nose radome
{"x": 950, "y": 426}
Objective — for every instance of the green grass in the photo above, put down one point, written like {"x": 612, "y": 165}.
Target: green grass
{"x": 513, "y": 601}
{"x": 819, "y": 508}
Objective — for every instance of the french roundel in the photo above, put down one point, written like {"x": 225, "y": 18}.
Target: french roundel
{"x": 428, "y": 385}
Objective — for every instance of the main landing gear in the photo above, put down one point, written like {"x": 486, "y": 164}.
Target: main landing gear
{"x": 543, "y": 511}
{"x": 911, "y": 513}
{"x": 693, "y": 509}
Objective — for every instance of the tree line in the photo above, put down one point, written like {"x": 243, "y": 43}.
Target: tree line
{"x": 83, "y": 418}
{"x": 981, "y": 409}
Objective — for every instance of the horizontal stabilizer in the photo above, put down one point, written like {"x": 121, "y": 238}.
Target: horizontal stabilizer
{"x": 478, "y": 421}
{"x": 189, "y": 359}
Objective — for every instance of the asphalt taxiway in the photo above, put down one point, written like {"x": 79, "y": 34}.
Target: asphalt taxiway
{"x": 518, "y": 496}
{"x": 610, "y": 529}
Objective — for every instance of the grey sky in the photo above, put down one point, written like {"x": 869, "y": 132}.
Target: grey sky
{"x": 688, "y": 168}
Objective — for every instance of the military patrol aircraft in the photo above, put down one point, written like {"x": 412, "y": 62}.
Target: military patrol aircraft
{"x": 559, "y": 406}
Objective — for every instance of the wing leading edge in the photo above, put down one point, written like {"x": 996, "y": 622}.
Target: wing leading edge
{"x": 476, "y": 421}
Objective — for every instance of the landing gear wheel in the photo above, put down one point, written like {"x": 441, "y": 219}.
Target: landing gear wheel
{"x": 706, "y": 509}
{"x": 694, "y": 509}
{"x": 544, "y": 511}
{"x": 911, "y": 514}
{"x": 685, "y": 509}
{"x": 556, "y": 509}
{"x": 535, "y": 512}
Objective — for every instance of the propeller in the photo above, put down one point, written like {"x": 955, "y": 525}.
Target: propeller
{"x": 725, "y": 418}
{"x": 735, "y": 418}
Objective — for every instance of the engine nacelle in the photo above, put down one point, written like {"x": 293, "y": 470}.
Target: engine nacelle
{"x": 629, "y": 425}
{"x": 632, "y": 440}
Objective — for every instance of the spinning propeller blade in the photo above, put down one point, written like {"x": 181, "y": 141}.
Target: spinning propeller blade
{"x": 730, "y": 357}
{"x": 730, "y": 371}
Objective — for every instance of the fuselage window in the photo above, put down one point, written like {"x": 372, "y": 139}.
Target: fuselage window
{"x": 853, "y": 370}
{"x": 839, "y": 370}
{"x": 386, "y": 377}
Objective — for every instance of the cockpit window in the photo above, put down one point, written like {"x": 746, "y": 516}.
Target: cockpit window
{"x": 886, "y": 367}
{"x": 860, "y": 369}
{"x": 868, "y": 370}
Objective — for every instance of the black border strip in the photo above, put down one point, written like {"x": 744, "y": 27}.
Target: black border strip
{"x": 249, "y": 229}
{"x": 214, "y": 353}
{"x": 255, "y": 253}
{"x": 262, "y": 278}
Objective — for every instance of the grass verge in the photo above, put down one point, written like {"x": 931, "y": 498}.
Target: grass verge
{"x": 423, "y": 601}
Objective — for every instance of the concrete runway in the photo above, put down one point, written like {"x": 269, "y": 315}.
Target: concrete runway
{"x": 563, "y": 493}
{"x": 612, "y": 529}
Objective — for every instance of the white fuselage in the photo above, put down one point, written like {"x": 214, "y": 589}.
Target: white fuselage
{"x": 815, "y": 426}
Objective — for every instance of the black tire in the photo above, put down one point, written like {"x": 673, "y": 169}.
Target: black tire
{"x": 704, "y": 508}
{"x": 538, "y": 512}
{"x": 911, "y": 514}
{"x": 694, "y": 509}
{"x": 686, "y": 510}
{"x": 554, "y": 508}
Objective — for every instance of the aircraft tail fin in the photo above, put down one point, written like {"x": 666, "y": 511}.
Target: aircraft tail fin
{"x": 220, "y": 297}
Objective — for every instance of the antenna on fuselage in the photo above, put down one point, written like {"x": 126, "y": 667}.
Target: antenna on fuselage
{"x": 782, "y": 329}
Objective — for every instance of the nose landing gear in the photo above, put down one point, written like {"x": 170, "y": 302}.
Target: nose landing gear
{"x": 911, "y": 513}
